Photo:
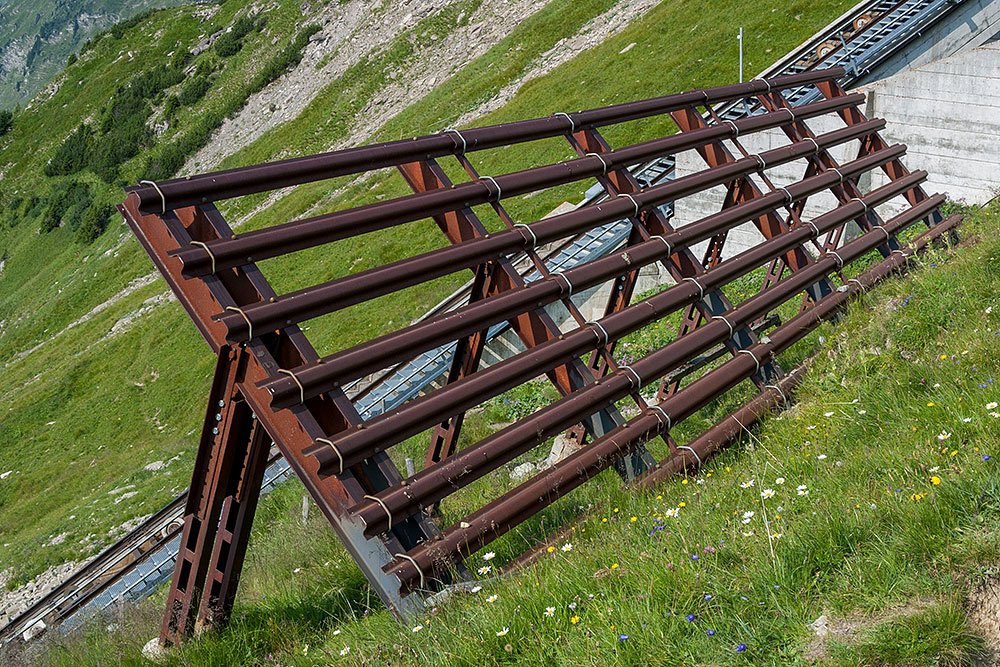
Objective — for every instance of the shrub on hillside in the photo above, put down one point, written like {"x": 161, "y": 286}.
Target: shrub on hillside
{"x": 93, "y": 223}
{"x": 68, "y": 201}
{"x": 71, "y": 156}
{"x": 194, "y": 90}
{"x": 230, "y": 42}
{"x": 6, "y": 121}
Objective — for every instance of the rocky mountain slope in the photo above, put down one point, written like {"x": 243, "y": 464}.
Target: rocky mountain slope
{"x": 38, "y": 36}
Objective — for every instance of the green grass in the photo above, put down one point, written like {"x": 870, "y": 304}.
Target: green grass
{"x": 896, "y": 528}
{"x": 86, "y": 411}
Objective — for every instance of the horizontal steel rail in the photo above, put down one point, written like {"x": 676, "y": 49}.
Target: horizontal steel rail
{"x": 205, "y": 188}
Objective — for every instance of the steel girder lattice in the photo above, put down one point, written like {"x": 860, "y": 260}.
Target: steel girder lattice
{"x": 271, "y": 384}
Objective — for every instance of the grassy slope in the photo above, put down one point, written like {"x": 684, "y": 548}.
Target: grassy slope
{"x": 896, "y": 528}
{"x": 108, "y": 398}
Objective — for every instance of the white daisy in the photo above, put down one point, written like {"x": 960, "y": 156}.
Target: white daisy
{"x": 417, "y": 628}
{"x": 991, "y": 406}
{"x": 484, "y": 570}
{"x": 672, "y": 512}
{"x": 821, "y": 457}
{"x": 489, "y": 555}
{"x": 566, "y": 547}
{"x": 779, "y": 481}
{"x": 503, "y": 632}
{"x": 345, "y": 650}
{"x": 492, "y": 598}
{"x": 747, "y": 484}
{"x": 767, "y": 493}
{"x": 802, "y": 490}
{"x": 550, "y": 611}
{"x": 943, "y": 435}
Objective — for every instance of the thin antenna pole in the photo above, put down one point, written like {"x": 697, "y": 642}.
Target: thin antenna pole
{"x": 740, "y": 38}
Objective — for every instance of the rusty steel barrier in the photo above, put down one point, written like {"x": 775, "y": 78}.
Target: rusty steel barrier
{"x": 271, "y": 384}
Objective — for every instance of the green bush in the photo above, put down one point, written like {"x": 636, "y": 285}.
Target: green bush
{"x": 229, "y": 43}
{"x": 171, "y": 106}
{"x": 194, "y": 90}
{"x": 71, "y": 155}
{"x": 71, "y": 59}
{"x": 93, "y": 223}
{"x": 6, "y": 121}
{"x": 67, "y": 201}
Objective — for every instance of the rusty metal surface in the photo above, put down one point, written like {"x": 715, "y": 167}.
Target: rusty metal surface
{"x": 271, "y": 383}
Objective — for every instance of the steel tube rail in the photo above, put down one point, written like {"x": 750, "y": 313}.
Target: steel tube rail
{"x": 328, "y": 227}
{"x": 322, "y": 299}
{"x": 510, "y": 509}
{"x": 421, "y": 413}
{"x": 312, "y": 379}
{"x": 724, "y": 431}
{"x": 432, "y": 484}
{"x": 215, "y": 186}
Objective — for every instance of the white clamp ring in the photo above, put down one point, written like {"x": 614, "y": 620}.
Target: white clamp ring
{"x": 838, "y": 174}
{"x": 211, "y": 255}
{"x": 572, "y": 125}
{"x": 860, "y": 285}
{"x": 388, "y": 514}
{"x": 335, "y": 451}
{"x": 670, "y": 423}
{"x": 763, "y": 165}
{"x": 732, "y": 331}
{"x": 814, "y": 143}
{"x": 302, "y": 391}
{"x": 670, "y": 250}
{"x": 790, "y": 113}
{"x": 598, "y": 156}
{"x": 901, "y": 253}
{"x": 766, "y": 83}
{"x": 465, "y": 144}
{"x": 569, "y": 285}
{"x": 495, "y": 184}
{"x": 882, "y": 229}
{"x": 534, "y": 239}
{"x": 788, "y": 195}
{"x": 700, "y": 464}
{"x": 860, "y": 201}
{"x": 247, "y": 319}
{"x": 634, "y": 203}
{"x": 163, "y": 200}
{"x": 777, "y": 388}
{"x": 419, "y": 571}
{"x": 752, "y": 356}
{"x": 603, "y": 331}
{"x": 840, "y": 260}
{"x": 816, "y": 231}
{"x": 701, "y": 289}
{"x": 736, "y": 130}
{"x": 638, "y": 380}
